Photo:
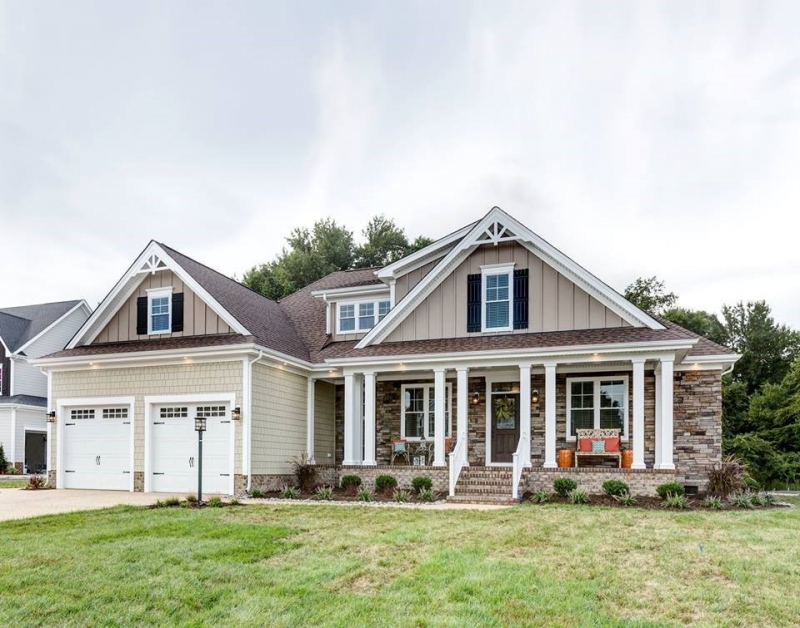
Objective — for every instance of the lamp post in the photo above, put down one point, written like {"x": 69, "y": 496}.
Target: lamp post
{"x": 200, "y": 427}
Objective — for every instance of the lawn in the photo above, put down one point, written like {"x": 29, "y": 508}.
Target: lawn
{"x": 6, "y": 483}
{"x": 552, "y": 565}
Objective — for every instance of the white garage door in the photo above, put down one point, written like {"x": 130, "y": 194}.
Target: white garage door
{"x": 174, "y": 452}
{"x": 97, "y": 448}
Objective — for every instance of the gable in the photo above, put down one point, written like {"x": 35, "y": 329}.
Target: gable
{"x": 555, "y": 303}
{"x": 199, "y": 319}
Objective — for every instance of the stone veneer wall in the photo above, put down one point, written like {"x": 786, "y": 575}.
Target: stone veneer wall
{"x": 403, "y": 473}
{"x": 642, "y": 482}
{"x": 697, "y": 423}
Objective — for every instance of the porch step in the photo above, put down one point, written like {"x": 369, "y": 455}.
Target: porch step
{"x": 482, "y": 499}
{"x": 484, "y": 485}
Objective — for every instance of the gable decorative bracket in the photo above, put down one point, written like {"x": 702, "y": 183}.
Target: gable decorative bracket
{"x": 495, "y": 233}
{"x": 152, "y": 265}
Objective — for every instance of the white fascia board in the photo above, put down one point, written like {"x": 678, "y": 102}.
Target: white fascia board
{"x": 533, "y": 354}
{"x": 721, "y": 362}
{"x": 128, "y": 283}
{"x": 353, "y": 291}
{"x": 79, "y": 305}
{"x": 421, "y": 257}
{"x": 549, "y": 253}
{"x": 5, "y": 346}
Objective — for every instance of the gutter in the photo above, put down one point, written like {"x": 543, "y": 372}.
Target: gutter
{"x": 247, "y": 431}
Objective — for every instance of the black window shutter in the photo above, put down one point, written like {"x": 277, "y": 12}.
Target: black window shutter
{"x": 141, "y": 316}
{"x": 474, "y": 303}
{"x": 521, "y": 298}
{"x": 177, "y": 311}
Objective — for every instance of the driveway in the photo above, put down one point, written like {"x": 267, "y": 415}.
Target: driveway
{"x": 17, "y": 503}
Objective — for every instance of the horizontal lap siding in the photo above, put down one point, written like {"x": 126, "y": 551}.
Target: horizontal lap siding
{"x": 33, "y": 420}
{"x": 182, "y": 379}
{"x": 279, "y": 419}
{"x": 5, "y": 430}
{"x": 555, "y": 303}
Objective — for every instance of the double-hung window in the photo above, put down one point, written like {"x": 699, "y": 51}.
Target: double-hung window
{"x": 418, "y": 416}
{"x": 597, "y": 403}
{"x": 497, "y": 296}
{"x": 361, "y": 316}
{"x": 159, "y": 311}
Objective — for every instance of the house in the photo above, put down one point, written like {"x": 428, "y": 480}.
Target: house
{"x": 28, "y": 332}
{"x": 484, "y": 352}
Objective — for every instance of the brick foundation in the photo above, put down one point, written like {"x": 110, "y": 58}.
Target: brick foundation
{"x": 403, "y": 474}
{"x": 51, "y": 478}
{"x": 642, "y": 482}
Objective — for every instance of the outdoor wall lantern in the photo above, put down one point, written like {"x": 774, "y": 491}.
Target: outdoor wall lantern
{"x": 51, "y": 416}
{"x": 476, "y": 398}
{"x": 236, "y": 415}
{"x": 535, "y": 397}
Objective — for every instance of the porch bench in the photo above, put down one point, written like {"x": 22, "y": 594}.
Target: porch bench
{"x": 594, "y": 435}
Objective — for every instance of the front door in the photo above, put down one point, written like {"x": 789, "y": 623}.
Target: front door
{"x": 505, "y": 425}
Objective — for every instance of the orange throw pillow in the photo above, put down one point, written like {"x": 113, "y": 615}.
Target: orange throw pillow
{"x": 612, "y": 444}
{"x": 584, "y": 444}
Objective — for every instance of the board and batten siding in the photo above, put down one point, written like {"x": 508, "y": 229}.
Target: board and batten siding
{"x": 198, "y": 318}
{"x": 324, "y": 423}
{"x": 280, "y": 398}
{"x": 555, "y": 303}
{"x": 141, "y": 382}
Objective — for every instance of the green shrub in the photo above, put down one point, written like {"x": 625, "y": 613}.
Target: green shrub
{"x": 726, "y": 477}
{"x": 750, "y": 483}
{"x": 540, "y": 496}
{"x": 325, "y": 493}
{"x": 12, "y": 469}
{"x": 192, "y": 499}
{"x": 615, "y": 487}
{"x": 350, "y": 480}
{"x": 290, "y": 492}
{"x": 304, "y": 472}
{"x": 714, "y": 503}
{"x": 564, "y": 486}
{"x": 625, "y": 499}
{"x": 676, "y": 500}
{"x": 401, "y": 496}
{"x": 185, "y": 504}
{"x": 159, "y": 504}
{"x": 670, "y": 488}
{"x": 35, "y": 482}
{"x": 172, "y": 501}
{"x": 767, "y": 499}
{"x": 215, "y": 502}
{"x": 578, "y": 497}
{"x": 364, "y": 494}
{"x": 761, "y": 499}
{"x": 256, "y": 493}
{"x": 742, "y": 500}
{"x": 3, "y": 459}
{"x": 385, "y": 482}
{"x": 426, "y": 495}
{"x": 421, "y": 483}
{"x": 234, "y": 502}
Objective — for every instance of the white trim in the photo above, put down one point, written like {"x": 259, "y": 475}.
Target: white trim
{"x": 310, "y": 415}
{"x": 369, "y": 420}
{"x": 352, "y": 291}
{"x": 549, "y": 254}
{"x": 12, "y": 453}
{"x": 497, "y": 378}
{"x": 638, "y": 365}
{"x": 421, "y": 257}
{"x": 357, "y": 314}
{"x": 596, "y": 402}
{"x": 159, "y": 293}
{"x": 427, "y": 386}
{"x": 82, "y": 402}
{"x": 152, "y": 400}
{"x": 491, "y": 270}
{"x": 81, "y": 304}
{"x": 126, "y": 287}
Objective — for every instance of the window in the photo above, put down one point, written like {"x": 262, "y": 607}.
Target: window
{"x": 597, "y": 403}
{"x": 115, "y": 413}
{"x": 361, "y": 316}
{"x": 174, "y": 413}
{"x": 159, "y": 311}
{"x": 211, "y": 411}
{"x": 497, "y": 297}
{"x": 418, "y": 415}
{"x": 81, "y": 414}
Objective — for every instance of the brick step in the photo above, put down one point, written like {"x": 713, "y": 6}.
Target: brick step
{"x": 482, "y": 499}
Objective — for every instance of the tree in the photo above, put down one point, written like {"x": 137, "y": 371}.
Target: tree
{"x": 767, "y": 348}
{"x": 698, "y": 321}
{"x": 650, "y": 294}
{"x": 385, "y": 243}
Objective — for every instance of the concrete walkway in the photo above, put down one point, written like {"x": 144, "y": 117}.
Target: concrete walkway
{"x": 16, "y": 503}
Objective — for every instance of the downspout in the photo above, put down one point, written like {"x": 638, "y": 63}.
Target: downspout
{"x": 248, "y": 407}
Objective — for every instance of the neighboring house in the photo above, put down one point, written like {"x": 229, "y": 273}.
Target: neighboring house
{"x": 490, "y": 340}
{"x": 28, "y": 332}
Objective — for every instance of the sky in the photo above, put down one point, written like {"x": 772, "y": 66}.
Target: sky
{"x": 640, "y": 138}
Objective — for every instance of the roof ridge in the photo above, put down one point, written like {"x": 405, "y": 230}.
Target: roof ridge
{"x": 13, "y": 307}
{"x": 22, "y": 318}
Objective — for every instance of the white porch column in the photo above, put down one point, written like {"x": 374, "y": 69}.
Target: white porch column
{"x": 369, "y": 419}
{"x": 525, "y": 411}
{"x": 438, "y": 413}
{"x": 310, "y": 420}
{"x": 358, "y": 412}
{"x": 550, "y": 415}
{"x": 462, "y": 384}
{"x": 667, "y": 436}
{"x": 349, "y": 419}
{"x": 638, "y": 413}
{"x": 657, "y": 463}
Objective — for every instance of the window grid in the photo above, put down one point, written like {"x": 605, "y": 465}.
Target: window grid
{"x": 174, "y": 412}
{"x": 212, "y": 411}
{"x": 347, "y": 317}
{"x": 115, "y": 413}
{"x": 419, "y": 417}
{"x": 361, "y": 316}
{"x": 159, "y": 311}
{"x": 83, "y": 413}
{"x": 597, "y": 403}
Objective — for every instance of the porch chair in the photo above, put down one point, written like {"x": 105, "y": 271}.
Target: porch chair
{"x": 399, "y": 449}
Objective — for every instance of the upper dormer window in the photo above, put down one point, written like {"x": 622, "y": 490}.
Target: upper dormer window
{"x": 159, "y": 311}
{"x": 361, "y": 316}
{"x": 497, "y": 296}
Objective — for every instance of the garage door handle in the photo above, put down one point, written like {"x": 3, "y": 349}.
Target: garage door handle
{"x": 156, "y": 473}
{"x": 97, "y": 460}
{"x": 225, "y": 475}
{"x": 191, "y": 462}
{"x": 68, "y": 424}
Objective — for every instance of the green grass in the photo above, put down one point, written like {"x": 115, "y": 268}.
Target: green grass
{"x": 13, "y": 483}
{"x": 550, "y": 565}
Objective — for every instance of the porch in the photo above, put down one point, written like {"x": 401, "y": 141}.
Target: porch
{"x": 512, "y": 417}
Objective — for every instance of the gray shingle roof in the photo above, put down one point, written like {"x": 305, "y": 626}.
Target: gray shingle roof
{"x": 20, "y": 324}
{"x": 24, "y": 400}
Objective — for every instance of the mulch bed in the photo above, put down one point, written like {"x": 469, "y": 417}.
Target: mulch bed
{"x": 347, "y": 495}
{"x": 694, "y": 503}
